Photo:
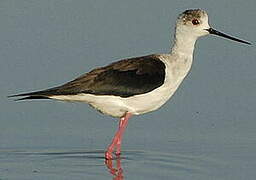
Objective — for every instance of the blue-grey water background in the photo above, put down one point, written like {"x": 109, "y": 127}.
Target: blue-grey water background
{"x": 206, "y": 131}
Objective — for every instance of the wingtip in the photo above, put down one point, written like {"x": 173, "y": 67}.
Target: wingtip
{"x": 24, "y": 98}
{"x": 17, "y": 95}
{"x": 13, "y": 96}
{"x": 28, "y": 97}
{"x": 20, "y": 99}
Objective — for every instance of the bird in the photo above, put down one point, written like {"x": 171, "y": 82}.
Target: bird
{"x": 138, "y": 85}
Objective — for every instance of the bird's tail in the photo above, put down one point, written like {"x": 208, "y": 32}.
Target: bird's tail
{"x": 45, "y": 94}
{"x": 29, "y": 97}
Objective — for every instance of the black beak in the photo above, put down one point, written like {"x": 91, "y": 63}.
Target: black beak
{"x": 213, "y": 31}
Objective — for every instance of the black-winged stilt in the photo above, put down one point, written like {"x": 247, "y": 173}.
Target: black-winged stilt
{"x": 136, "y": 85}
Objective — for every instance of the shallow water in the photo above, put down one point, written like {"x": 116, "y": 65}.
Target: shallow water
{"x": 211, "y": 162}
{"x": 77, "y": 164}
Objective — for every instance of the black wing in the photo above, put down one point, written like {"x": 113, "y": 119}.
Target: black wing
{"x": 124, "y": 78}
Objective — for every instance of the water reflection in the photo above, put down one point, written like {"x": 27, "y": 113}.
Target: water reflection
{"x": 117, "y": 171}
{"x": 92, "y": 164}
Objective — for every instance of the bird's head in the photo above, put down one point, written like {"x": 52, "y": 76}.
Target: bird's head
{"x": 194, "y": 23}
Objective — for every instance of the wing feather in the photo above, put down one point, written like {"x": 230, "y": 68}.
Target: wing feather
{"x": 124, "y": 78}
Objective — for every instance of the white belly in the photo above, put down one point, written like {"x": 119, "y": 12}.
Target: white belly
{"x": 138, "y": 104}
{"x": 118, "y": 106}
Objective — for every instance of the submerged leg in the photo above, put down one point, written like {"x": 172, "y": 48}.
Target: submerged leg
{"x": 117, "y": 171}
{"x": 117, "y": 140}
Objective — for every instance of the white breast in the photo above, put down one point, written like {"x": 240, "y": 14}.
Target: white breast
{"x": 176, "y": 70}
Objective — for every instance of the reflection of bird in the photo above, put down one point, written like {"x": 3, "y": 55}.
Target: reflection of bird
{"x": 116, "y": 172}
{"x": 137, "y": 85}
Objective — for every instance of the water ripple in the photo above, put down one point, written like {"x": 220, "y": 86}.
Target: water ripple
{"x": 148, "y": 163}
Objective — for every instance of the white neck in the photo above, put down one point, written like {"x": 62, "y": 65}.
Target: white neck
{"x": 183, "y": 44}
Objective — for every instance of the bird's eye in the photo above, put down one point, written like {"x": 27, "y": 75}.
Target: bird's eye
{"x": 195, "y": 22}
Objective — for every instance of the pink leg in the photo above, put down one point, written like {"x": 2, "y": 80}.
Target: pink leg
{"x": 122, "y": 126}
{"x": 117, "y": 140}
